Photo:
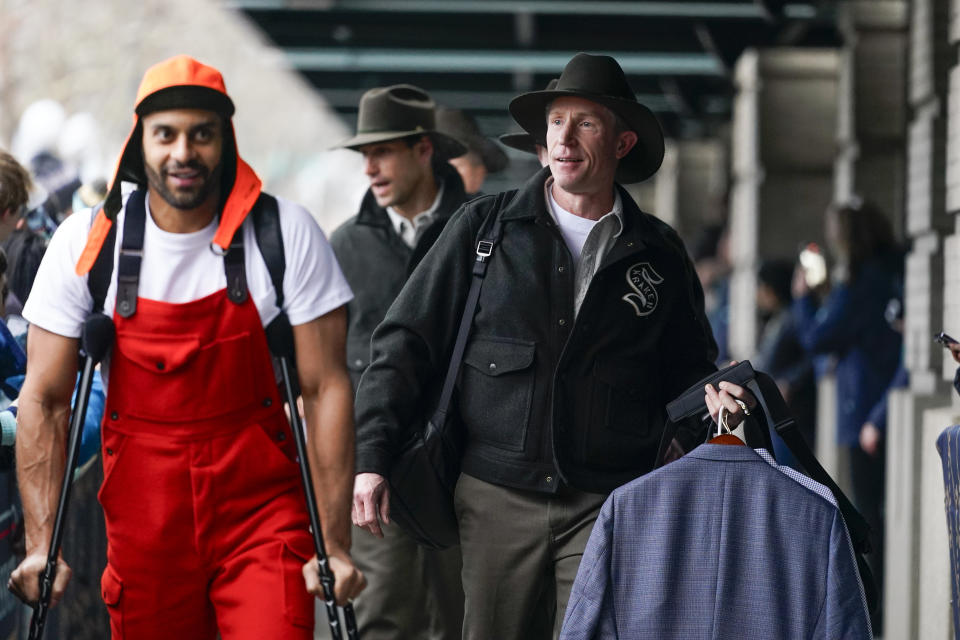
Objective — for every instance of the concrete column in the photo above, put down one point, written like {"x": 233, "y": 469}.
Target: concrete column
{"x": 784, "y": 132}
{"x": 687, "y": 191}
{"x": 871, "y": 123}
{"x": 701, "y": 184}
{"x": 916, "y": 605}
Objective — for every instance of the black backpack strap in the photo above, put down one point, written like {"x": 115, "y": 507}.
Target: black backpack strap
{"x": 98, "y": 280}
{"x": 131, "y": 254}
{"x": 266, "y": 224}
{"x": 488, "y": 239}
{"x": 235, "y": 269}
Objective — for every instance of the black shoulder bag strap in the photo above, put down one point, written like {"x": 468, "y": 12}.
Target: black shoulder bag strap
{"x": 776, "y": 412}
{"x": 489, "y": 236}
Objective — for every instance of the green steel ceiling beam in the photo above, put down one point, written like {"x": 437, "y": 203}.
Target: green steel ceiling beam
{"x": 461, "y": 61}
{"x": 481, "y": 100}
{"x": 663, "y": 9}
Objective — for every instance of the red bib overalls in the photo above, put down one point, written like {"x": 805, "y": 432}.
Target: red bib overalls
{"x": 206, "y": 521}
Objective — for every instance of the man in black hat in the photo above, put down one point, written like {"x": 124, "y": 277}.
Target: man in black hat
{"x": 589, "y": 321}
{"x": 412, "y": 592}
{"x": 483, "y": 156}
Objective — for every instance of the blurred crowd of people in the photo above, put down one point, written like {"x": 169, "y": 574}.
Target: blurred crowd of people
{"x": 48, "y": 174}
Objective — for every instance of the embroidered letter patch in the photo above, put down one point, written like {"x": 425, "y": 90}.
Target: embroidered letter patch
{"x": 641, "y": 277}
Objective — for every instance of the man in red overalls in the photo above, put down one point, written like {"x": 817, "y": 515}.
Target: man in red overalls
{"x": 206, "y": 521}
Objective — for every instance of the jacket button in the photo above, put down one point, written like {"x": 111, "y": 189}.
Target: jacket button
{"x": 358, "y": 363}
{"x": 493, "y": 366}
{"x": 281, "y": 436}
{"x": 549, "y": 479}
{"x": 561, "y": 268}
{"x": 109, "y": 452}
{"x": 161, "y": 366}
{"x": 563, "y": 322}
{"x": 114, "y": 416}
{"x": 630, "y": 244}
{"x": 267, "y": 402}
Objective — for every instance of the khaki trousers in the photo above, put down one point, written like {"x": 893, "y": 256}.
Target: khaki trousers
{"x": 521, "y": 551}
{"x": 411, "y": 592}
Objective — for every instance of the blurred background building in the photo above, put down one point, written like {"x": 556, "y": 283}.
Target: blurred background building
{"x": 774, "y": 110}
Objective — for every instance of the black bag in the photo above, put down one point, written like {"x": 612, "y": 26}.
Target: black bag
{"x": 774, "y": 415}
{"x": 424, "y": 474}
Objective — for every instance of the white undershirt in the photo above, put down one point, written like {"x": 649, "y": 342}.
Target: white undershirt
{"x": 588, "y": 240}
{"x": 574, "y": 228}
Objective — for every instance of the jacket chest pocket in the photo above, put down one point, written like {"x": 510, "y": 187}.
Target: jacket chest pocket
{"x": 624, "y": 414}
{"x": 496, "y": 391}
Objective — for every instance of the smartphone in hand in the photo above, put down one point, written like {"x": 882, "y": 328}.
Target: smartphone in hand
{"x": 814, "y": 265}
{"x": 944, "y": 340}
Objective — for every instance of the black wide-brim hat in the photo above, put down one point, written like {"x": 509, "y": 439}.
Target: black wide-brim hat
{"x": 396, "y": 112}
{"x": 521, "y": 140}
{"x": 461, "y": 125}
{"x": 599, "y": 79}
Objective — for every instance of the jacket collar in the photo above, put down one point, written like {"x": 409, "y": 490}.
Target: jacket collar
{"x": 725, "y": 453}
{"x": 530, "y": 203}
{"x": 374, "y": 215}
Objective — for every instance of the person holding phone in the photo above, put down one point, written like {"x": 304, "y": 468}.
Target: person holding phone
{"x": 844, "y": 317}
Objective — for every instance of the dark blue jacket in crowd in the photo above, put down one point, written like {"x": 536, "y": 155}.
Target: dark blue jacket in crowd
{"x": 850, "y": 325}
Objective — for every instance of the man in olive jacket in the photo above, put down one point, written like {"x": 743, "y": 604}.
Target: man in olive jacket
{"x": 589, "y": 321}
{"x": 411, "y": 592}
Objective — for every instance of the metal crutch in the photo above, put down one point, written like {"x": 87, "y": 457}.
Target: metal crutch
{"x": 96, "y": 338}
{"x": 280, "y": 337}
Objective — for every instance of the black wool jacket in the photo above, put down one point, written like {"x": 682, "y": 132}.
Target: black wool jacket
{"x": 543, "y": 395}
{"x": 376, "y": 262}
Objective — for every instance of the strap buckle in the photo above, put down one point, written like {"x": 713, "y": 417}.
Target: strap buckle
{"x": 484, "y": 250}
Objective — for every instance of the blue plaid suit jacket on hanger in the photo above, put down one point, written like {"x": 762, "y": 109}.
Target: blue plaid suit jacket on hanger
{"x": 718, "y": 544}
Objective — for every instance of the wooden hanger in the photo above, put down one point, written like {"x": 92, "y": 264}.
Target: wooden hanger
{"x": 724, "y": 433}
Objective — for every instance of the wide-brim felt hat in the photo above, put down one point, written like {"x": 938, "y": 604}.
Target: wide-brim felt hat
{"x": 599, "y": 79}
{"x": 462, "y": 126}
{"x": 396, "y": 112}
{"x": 521, "y": 140}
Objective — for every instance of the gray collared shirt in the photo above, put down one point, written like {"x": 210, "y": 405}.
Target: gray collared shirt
{"x": 410, "y": 230}
{"x": 599, "y": 239}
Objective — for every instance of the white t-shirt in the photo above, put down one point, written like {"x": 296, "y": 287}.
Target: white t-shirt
{"x": 181, "y": 267}
{"x": 573, "y": 228}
